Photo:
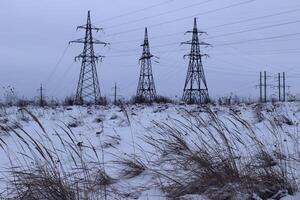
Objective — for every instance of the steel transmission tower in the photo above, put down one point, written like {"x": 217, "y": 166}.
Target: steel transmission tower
{"x": 88, "y": 89}
{"x": 146, "y": 87}
{"x": 195, "y": 88}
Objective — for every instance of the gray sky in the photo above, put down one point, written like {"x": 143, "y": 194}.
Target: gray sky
{"x": 35, "y": 33}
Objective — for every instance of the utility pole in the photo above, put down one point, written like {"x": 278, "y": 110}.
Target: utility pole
{"x": 115, "y": 94}
{"x": 279, "y": 86}
{"x": 88, "y": 89}
{"x": 284, "y": 87}
{"x": 195, "y": 88}
{"x": 260, "y": 88}
{"x": 41, "y": 96}
{"x": 146, "y": 87}
{"x": 265, "y": 86}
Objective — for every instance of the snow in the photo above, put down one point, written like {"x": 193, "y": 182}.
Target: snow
{"x": 295, "y": 197}
{"x": 119, "y": 132}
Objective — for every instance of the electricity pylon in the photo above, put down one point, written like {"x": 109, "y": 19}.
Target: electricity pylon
{"x": 195, "y": 88}
{"x": 88, "y": 89}
{"x": 146, "y": 87}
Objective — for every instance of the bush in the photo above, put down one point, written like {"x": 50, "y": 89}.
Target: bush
{"x": 102, "y": 101}
{"x": 143, "y": 100}
{"x": 163, "y": 100}
{"x": 139, "y": 100}
{"x": 69, "y": 101}
{"x": 24, "y": 102}
{"x": 197, "y": 102}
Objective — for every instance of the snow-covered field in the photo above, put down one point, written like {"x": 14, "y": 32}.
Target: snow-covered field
{"x": 108, "y": 136}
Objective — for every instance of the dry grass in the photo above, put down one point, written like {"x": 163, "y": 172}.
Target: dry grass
{"x": 42, "y": 171}
{"x": 131, "y": 166}
{"x": 220, "y": 157}
{"x": 40, "y": 183}
{"x": 223, "y": 161}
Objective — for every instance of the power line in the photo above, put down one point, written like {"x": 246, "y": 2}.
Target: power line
{"x": 274, "y": 64}
{"x": 57, "y": 64}
{"x": 186, "y": 17}
{"x": 247, "y": 59}
{"x": 257, "y": 39}
{"x": 255, "y": 29}
{"x": 159, "y": 14}
{"x": 135, "y": 54}
{"x": 237, "y": 66}
{"x": 222, "y": 25}
{"x": 242, "y": 87}
{"x": 59, "y": 61}
{"x": 235, "y": 33}
{"x": 257, "y": 18}
{"x": 228, "y": 72}
{"x": 136, "y": 49}
{"x": 64, "y": 75}
{"x": 166, "y": 75}
{"x": 217, "y": 45}
{"x": 137, "y": 11}
{"x": 269, "y": 52}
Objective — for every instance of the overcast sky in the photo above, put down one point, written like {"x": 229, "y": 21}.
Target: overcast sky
{"x": 247, "y": 37}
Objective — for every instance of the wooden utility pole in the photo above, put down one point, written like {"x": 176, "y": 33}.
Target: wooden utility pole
{"x": 279, "y": 86}
{"x": 41, "y": 96}
{"x": 284, "y": 87}
{"x": 260, "y": 88}
{"x": 115, "y": 94}
{"x": 265, "y": 86}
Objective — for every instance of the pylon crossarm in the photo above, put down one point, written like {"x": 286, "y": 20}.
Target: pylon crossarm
{"x": 205, "y": 55}
{"x": 98, "y": 58}
{"x": 92, "y": 28}
{"x": 192, "y": 55}
{"x": 79, "y": 57}
{"x": 198, "y": 55}
{"x": 204, "y": 44}
{"x": 198, "y": 32}
{"x": 145, "y": 44}
{"x": 187, "y": 42}
{"x": 100, "y": 42}
{"x": 82, "y": 56}
{"x": 81, "y": 40}
{"x": 146, "y": 57}
{"x": 195, "y": 43}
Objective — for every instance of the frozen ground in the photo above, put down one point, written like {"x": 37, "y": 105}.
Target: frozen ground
{"x": 116, "y": 133}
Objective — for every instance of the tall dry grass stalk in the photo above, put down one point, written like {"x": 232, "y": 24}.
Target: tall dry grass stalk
{"x": 51, "y": 171}
{"x": 221, "y": 157}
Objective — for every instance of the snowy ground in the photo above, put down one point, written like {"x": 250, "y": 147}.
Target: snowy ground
{"x": 120, "y": 132}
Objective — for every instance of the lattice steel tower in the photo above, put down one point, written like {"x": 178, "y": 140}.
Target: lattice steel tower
{"x": 195, "y": 88}
{"x": 88, "y": 89}
{"x": 146, "y": 87}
